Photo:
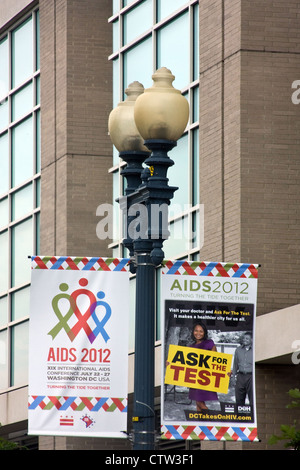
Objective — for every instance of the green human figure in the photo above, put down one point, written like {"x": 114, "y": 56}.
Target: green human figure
{"x": 63, "y": 319}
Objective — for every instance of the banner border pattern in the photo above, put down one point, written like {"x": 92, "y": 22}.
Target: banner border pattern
{"x": 215, "y": 269}
{"x": 211, "y": 433}
{"x": 46, "y": 403}
{"x": 79, "y": 263}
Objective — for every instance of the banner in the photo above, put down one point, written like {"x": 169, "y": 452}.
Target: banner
{"x": 78, "y": 346}
{"x": 208, "y": 372}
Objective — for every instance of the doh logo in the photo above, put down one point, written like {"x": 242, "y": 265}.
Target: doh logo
{"x": 82, "y": 318}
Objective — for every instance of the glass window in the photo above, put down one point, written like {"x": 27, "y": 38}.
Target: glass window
{"x": 3, "y": 212}
{"x": 196, "y": 170}
{"x": 4, "y": 73}
{"x": 116, "y": 35}
{"x": 126, "y": 2}
{"x": 20, "y": 304}
{"x": 116, "y": 99}
{"x": 19, "y": 190}
{"x": 22, "y": 244}
{"x": 116, "y": 6}
{"x": 38, "y": 91}
{"x": 3, "y": 311}
{"x": 116, "y": 213}
{"x": 3, "y": 113}
{"x": 3, "y": 360}
{"x": 166, "y": 7}
{"x": 173, "y": 49}
{"x": 133, "y": 58}
{"x": 196, "y": 229}
{"x": 22, "y": 102}
{"x": 4, "y": 252}
{"x": 178, "y": 241}
{"x": 37, "y": 58}
{"x": 180, "y": 172}
{"x": 116, "y": 84}
{"x": 19, "y": 354}
{"x": 195, "y": 92}
{"x": 4, "y": 173}
{"x": 137, "y": 21}
{"x": 37, "y": 233}
{"x": 38, "y": 141}
{"x": 22, "y": 152}
{"x": 22, "y": 53}
{"x": 22, "y": 202}
{"x": 196, "y": 69}
{"x": 38, "y": 193}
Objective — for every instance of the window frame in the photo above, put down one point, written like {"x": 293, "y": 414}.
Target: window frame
{"x": 118, "y": 55}
{"x": 33, "y": 111}
{"x": 194, "y": 209}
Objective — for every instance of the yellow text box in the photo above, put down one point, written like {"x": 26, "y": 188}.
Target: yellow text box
{"x": 198, "y": 368}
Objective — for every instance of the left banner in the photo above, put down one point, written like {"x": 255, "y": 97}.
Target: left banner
{"x": 78, "y": 346}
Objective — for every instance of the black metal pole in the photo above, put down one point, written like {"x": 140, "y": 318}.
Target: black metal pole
{"x": 143, "y": 412}
{"x": 150, "y": 189}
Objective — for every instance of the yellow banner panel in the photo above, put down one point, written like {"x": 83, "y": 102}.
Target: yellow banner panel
{"x": 198, "y": 368}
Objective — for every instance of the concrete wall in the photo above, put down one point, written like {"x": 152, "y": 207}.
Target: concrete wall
{"x": 12, "y": 9}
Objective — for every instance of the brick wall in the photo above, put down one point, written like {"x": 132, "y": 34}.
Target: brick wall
{"x": 220, "y": 128}
{"x": 81, "y": 443}
{"x": 76, "y": 99}
{"x": 249, "y": 141}
{"x": 250, "y": 167}
{"x": 270, "y": 125}
{"x": 272, "y": 385}
{"x": 271, "y": 175}
{"x": 211, "y": 127}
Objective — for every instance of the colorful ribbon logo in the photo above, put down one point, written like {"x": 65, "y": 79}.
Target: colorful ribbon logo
{"x": 82, "y": 317}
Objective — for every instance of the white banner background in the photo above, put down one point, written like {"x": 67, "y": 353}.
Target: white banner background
{"x": 78, "y": 383}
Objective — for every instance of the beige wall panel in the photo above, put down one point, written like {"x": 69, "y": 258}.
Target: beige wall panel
{"x": 10, "y": 9}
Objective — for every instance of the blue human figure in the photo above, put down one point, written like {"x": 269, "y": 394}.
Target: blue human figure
{"x": 100, "y": 324}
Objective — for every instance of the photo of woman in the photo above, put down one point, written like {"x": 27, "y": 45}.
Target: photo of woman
{"x": 201, "y": 341}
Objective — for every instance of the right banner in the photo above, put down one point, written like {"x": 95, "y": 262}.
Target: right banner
{"x": 208, "y": 366}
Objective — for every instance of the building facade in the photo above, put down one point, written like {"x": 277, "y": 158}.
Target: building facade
{"x": 63, "y": 66}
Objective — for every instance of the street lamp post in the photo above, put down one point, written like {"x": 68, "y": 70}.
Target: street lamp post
{"x": 144, "y": 128}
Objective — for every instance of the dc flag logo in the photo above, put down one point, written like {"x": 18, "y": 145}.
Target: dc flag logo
{"x": 81, "y": 317}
